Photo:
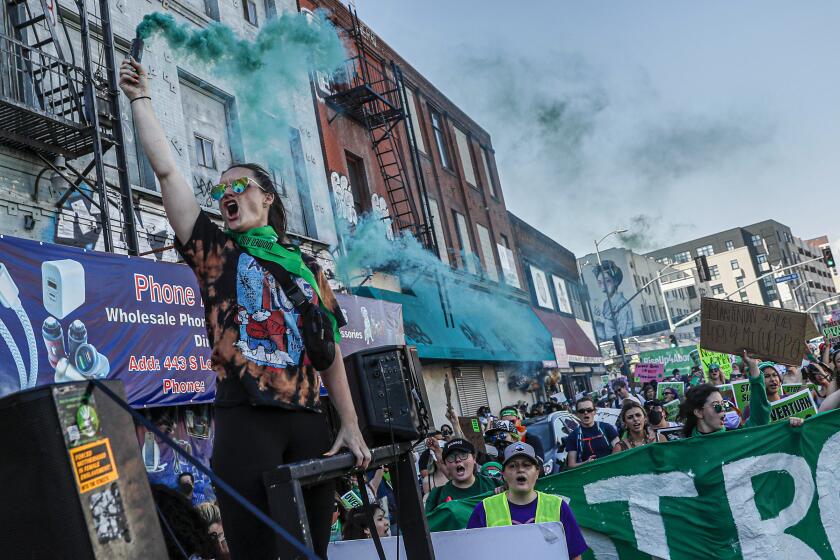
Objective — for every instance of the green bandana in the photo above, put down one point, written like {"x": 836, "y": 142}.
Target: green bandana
{"x": 262, "y": 243}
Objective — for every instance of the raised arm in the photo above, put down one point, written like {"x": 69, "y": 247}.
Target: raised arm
{"x": 178, "y": 198}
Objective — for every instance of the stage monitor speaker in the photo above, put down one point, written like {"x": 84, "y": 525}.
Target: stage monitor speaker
{"x": 73, "y": 481}
{"x": 386, "y": 392}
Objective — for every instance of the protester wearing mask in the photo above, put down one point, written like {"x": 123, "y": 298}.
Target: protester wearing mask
{"x": 511, "y": 414}
{"x": 716, "y": 376}
{"x": 522, "y": 503}
{"x": 459, "y": 456}
{"x": 637, "y": 431}
{"x": 657, "y": 418}
{"x": 590, "y": 440}
{"x": 499, "y": 434}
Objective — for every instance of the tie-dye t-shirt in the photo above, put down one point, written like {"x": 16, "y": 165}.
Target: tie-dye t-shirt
{"x": 253, "y": 329}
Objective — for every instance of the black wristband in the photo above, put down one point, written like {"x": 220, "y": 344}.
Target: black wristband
{"x": 140, "y": 97}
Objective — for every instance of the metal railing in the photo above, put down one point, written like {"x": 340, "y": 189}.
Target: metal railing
{"x": 40, "y": 81}
{"x": 359, "y": 73}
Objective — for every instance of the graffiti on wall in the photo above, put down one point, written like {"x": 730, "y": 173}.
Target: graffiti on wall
{"x": 380, "y": 210}
{"x": 345, "y": 205}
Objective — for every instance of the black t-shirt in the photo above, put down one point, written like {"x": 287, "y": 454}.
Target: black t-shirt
{"x": 253, "y": 329}
{"x": 592, "y": 441}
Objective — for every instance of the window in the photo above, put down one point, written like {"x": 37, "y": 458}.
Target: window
{"x": 734, "y": 264}
{"x": 509, "y": 273}
{"x": 706, "y": 250}
{"x": 437, "y": 224}
{"x": 577, "y": 301}
{"x": 561, "y": 291}
{"x": 645, "y": 314}
{"x": 463, "y": 144}
{"x": 358, "y": 183}
{"x": 440, "y": 138}
{"x": 717, "y": 289}
{"x": 415, "y": 120}
{"x": 744, "y": 297}
{"x": 467, "y": 256}
{"x": 487, "y": 253}
{"x": 788, "y": 238}
{"x": 685, "y": 256}
{"x": 653, "y": 314}
{"x": 761, "y": 258}
{"x": 485, "y": 159}
{"x": 714, "y": 272}
{"x": 756, "y": 240}
{"x": 204, "y": 153}
{"x": 739, "y": 282}
{"x": 729, "y": 245}
{"x": 692, "y": 293}
{"x": 249, "y": 9}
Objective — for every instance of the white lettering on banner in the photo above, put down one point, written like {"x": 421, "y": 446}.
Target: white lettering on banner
{"x": 600, "y": 544}
{"x": 827, "y": 491}
{"x": 766, "y": 538}
{"x": 642, "y": 493}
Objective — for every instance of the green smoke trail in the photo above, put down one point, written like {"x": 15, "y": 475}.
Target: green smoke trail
{"x": 264, "y": 74}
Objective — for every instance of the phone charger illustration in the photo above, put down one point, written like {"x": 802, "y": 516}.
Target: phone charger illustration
{"x": 63, "y": 284}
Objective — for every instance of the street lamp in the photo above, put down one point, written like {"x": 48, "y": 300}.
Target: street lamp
{"x": 609, "y": 301}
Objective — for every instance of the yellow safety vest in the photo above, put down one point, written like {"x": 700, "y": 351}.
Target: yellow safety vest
{"x": 497, "y": 510}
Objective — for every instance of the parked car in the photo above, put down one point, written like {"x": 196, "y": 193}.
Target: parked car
{"x": 553, "y": 429}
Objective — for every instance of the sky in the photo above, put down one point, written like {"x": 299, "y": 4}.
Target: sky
{"x": 672, "y": 119}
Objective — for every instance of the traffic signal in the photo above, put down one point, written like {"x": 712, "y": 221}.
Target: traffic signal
{"x": 674, "y": 342}
{"x": 828, "y": 258}
{"x": 702, "y": 268}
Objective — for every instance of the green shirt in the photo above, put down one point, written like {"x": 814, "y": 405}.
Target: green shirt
{"x": 482, "y": 485}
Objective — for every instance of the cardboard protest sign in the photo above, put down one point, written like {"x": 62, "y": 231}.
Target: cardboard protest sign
{"x": 799, "y": 404}
{"x": 742, "y": 393}
{"x": 649, "y": 372}
{"x": 471, "y": 428}
{"x": 679, "y": 386}
{"x": 672, "y": 410}
{"x": 770, "y": 333}
{"x": 831, "y": 332}
{"x": 709, "y": 357}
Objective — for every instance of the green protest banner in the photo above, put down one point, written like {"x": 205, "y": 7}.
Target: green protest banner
{"x": 708, "y": 357}
{"x": 754, "y": 493}
{"x": 678, "y": 386}
{"x": 800, "y": 404}
{"x": 672, "y": 409}
{"x": 672, "y": 358}
{"x": 742, "y": 393}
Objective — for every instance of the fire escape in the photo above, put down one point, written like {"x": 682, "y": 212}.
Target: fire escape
{"x": 376, "y": 100}
{"x": 66, "y": 115}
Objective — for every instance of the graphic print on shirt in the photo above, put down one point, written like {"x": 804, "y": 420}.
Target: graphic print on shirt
{"x": 268, "y": 322}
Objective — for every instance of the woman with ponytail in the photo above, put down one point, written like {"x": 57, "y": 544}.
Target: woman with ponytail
{"x": 266, "y": 410}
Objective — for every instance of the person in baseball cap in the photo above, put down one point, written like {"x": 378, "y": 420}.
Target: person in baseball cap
{"x": 522, "y": 503}
{"x": 464, "y": 482}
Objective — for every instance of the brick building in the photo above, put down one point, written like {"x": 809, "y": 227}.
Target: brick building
{"x": 560, "y": 300}
{"x": 199, "y": 113}
{"x": 395, "y": 146}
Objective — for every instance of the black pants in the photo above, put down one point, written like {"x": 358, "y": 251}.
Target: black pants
{"x": 251, "y": 440}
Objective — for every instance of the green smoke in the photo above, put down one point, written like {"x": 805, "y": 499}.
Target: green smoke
{"x": 263, "y": 74}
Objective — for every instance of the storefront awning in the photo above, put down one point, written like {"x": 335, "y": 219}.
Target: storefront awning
{"x": 579, "y": 347}
{"x": 487, "y": 327}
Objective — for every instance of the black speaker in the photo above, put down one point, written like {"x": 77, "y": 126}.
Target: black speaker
{"x": 72, "y": 481}
{"x": 387, "y": 394}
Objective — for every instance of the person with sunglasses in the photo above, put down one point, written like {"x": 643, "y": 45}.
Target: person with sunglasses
{"x": 267, "y": 410}
{"x": 704, "y": 410}
{"x": 591, "y": 439}
{"x": 464, "y": 482}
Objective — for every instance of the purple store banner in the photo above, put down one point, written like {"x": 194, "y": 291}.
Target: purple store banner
{"x": 72, "y": 314}
{"x": 370, "y": 323}
{"x": 67, "y": 314}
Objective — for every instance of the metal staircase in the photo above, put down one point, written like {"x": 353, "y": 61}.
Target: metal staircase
{"x": 372, "y": 97}
{"x": 51, "y": 107}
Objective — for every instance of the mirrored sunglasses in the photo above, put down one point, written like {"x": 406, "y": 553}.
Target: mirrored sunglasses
{"x": 237, "y": 186}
